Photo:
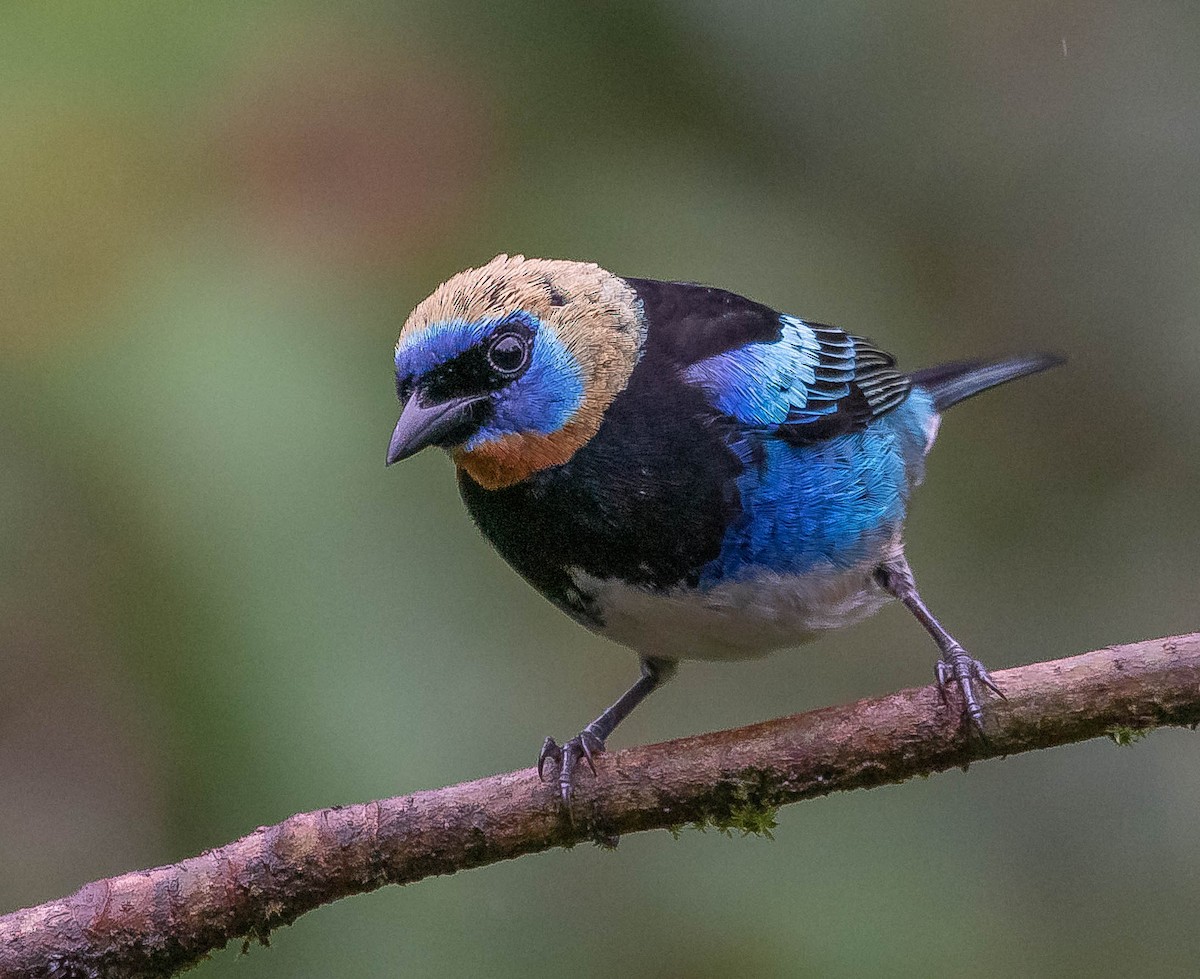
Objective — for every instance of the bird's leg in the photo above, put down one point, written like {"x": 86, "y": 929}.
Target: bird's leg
{"x": 896, "y": 578}
{"x": 590, "y": 741}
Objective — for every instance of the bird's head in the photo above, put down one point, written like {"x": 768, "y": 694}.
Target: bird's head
{"x": 511, "y": 366}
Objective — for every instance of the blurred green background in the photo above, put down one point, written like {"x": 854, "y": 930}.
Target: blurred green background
{"x": 217, "y": 608}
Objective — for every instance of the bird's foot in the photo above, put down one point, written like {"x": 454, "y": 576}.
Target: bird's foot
{"x": 969, "y": 675}
{"x": 584, "y": 745}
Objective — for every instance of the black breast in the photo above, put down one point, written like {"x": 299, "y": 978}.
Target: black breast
{"x": 647, "y": 500}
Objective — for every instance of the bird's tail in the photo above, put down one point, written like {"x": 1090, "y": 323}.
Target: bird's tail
{"x": 948, "y": 384}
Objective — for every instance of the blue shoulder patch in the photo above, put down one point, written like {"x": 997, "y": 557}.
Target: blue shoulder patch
{"x": 812, "y": 382}
{"x": 762, "y": 383}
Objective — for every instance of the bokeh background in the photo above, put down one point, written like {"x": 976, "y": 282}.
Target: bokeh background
{"x": 217, "y": 608}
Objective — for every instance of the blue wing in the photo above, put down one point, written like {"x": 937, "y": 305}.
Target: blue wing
{"x": 809, "y": 382}
{"x": 823, "y": 425}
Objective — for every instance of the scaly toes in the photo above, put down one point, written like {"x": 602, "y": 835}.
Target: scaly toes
{"x": 584, "y": 745}
{"x": 965, "y": 672}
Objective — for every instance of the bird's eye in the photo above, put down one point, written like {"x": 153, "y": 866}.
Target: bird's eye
{"x": 508, "y": 353}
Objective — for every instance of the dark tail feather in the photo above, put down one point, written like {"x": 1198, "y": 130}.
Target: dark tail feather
{"x": 951, "y": 383}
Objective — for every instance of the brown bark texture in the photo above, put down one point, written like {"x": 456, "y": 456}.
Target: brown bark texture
{"x": 156, "y": 922}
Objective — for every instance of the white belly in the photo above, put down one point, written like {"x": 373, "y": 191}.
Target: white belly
{"x": 735, "y": 620}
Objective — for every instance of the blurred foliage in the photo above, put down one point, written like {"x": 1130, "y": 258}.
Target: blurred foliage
{"x": 217, "y": 608}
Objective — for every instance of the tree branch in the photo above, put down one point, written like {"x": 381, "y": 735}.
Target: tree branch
{"x": 154, "y": 922}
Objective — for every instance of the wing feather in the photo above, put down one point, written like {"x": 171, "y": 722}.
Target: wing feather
{"x": 813, "y": 382}
{"x": 804, "y": 381}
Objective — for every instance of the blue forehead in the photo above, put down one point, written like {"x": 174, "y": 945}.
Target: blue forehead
{"x": 445, "y": 340}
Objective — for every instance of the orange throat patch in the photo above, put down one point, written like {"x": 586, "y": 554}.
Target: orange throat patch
{"x": 508, "y": 460}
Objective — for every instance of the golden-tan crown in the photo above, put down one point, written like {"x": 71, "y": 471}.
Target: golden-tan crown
{"x": 596, "y": 316}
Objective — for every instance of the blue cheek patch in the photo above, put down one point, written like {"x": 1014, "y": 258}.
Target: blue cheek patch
{"x": 541, "y": 400}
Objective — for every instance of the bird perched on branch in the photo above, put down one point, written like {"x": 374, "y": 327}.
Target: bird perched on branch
{"x": 685, "y": 471}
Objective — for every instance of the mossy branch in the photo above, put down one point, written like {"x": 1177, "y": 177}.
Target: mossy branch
{"x": 155, "y": 922}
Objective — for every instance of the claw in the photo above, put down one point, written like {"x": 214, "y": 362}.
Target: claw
{"x": 941, "y": 670}
{"x": 984, "y": 677}
{"x": 584, "y": 745}
{"x": 550, "y": 750}
{"x": 965, "y": 671}
{"x": 590, "y": 744}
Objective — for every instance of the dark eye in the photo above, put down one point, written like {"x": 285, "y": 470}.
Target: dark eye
{"x": 508, "y": 353}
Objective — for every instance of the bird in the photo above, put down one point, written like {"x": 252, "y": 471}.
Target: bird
{"x": 683, "y": 470}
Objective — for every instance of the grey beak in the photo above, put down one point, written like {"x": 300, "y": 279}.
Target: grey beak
{"x": 421, "y": 426}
